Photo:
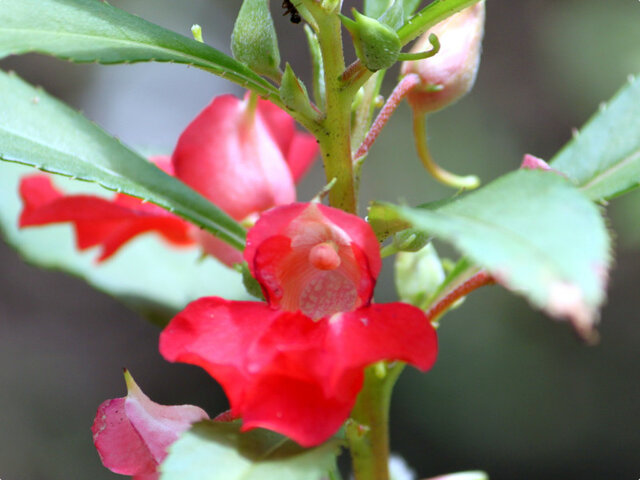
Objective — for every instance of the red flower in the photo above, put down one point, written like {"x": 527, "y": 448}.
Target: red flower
{"x": 295, "y": 365}
{"x": 245, "y": 160}
{"x": 132, "y": 433}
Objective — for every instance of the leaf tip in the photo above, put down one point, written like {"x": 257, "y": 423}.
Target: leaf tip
{"x": 567, "y": 301}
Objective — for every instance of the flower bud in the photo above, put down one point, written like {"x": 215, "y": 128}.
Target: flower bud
{"x": 451, "y": 73}
{"x": 294, "y": 94}
{"x": 418, "y": 275}
{"x": 410, "y": 240}
{"x": 254, "y": 40}
{"x": 377, "y": 45}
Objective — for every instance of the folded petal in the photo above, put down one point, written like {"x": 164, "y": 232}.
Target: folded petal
{"x": 97, "y": 220}
{"x": 313, "y": 258}
{"x": 132, "y": 434}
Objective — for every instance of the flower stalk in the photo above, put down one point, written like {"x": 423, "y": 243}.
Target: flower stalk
{"x": 368, "y": 430}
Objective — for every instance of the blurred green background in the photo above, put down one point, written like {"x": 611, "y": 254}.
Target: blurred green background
{"x": 513, "y": 393}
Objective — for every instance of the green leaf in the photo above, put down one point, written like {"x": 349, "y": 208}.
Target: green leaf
{"x": 603, "y": 159}
{"x": 218, "y": 451}
{"x": 376, "y": 8}
{"x": 254, "y": 41}
{"x": 147, "y": 274}
{"x": 94, "y": 31}
{"x": 38, "y": 130}
{"x": 534, "y": 232}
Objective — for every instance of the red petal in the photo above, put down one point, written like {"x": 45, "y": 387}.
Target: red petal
{"x": 280, "y": 124}
{"x": 158, "y": 425}
{"x": 389, "y": 331}
{"x": 279, "y": 252}
{"x": 288, "y": 373}
{"x": 217, "y": 334}
{"x": 299, "y": 149}
{"x": 132, "y": 433}
{"x": 231, "y": 157}
{"x": 301, "y": 154}
{"x": 120, "y": 447}
{"x": 97, "y": 220}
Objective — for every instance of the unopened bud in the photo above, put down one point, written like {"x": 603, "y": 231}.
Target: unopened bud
{"x": 254, "y": 41}
{"x": 294, "y": 94}
{"x": 418, "y": 275}
{"x": 377, "y": 45}
{"x": 410, "y": 240}
{"x": 450, "y": 74}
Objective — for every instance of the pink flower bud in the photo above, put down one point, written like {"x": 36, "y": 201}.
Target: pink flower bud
{"x": 450, "y": 74}
{"x": 132, "y": 433}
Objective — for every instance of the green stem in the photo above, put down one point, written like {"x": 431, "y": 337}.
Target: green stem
{"x": 368, "y": 429}
{"x": 444, "y": 176}
{"x": 335, "y": 137}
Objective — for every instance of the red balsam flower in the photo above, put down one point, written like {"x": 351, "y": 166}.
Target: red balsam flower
{"x": 295, "y": 364}
{"x": 243, "y": 158}
{"x": 132, "y": 433}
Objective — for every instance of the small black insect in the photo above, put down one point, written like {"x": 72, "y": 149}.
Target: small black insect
{"x": 291, "y": 9}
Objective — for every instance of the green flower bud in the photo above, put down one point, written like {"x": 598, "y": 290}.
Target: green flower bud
{"x": 410, "y": 240}
{"x": 451, "y": 73}
{"x": 377, "y": 45}
{"x": 254, "y": 41}
{"x": 294, "y": 94}
{"x": 418, "y": 275}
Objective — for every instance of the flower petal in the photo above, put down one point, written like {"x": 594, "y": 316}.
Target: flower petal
{"x": 286, "y": 372}
{"x": 132, "y": 434}
{"x": 97, "y": 220}
{"x": 120, "y": 447}
{"x": 388, "y": 331}
{"x": 158, "y": 425}
{"x": 299, "y": 149}
{"x": 229, "y": 155}
{"x": 305, "y": 260}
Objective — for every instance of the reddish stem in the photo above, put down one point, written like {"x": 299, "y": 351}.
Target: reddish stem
{"x": 480, "y": 279}
{"x": 398, "y": 94}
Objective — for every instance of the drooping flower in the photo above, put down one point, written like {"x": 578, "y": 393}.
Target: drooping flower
{"x": 243, "y": 157}
{"x": 132, "y": 433}
{"x": 295, "y": 364}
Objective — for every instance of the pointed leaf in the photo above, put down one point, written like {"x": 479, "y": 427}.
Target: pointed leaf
{"x": 603, "y": 159}
{"x": 94, "y": 31}
{"x": 38, "y": 130}
{"x": 147, "y": 274}
{"x": 218, "y": 451}
{"x": 534, "y": 233}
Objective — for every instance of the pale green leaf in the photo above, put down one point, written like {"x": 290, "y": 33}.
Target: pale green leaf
{"x": 94, "y": 31}
{"x": 218, "y": 451}
{"x": 534, "y": 232}
{"x": 603, "y": 158}
{"x": 147, "y": 274}
{"x": 38, "y": 130}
